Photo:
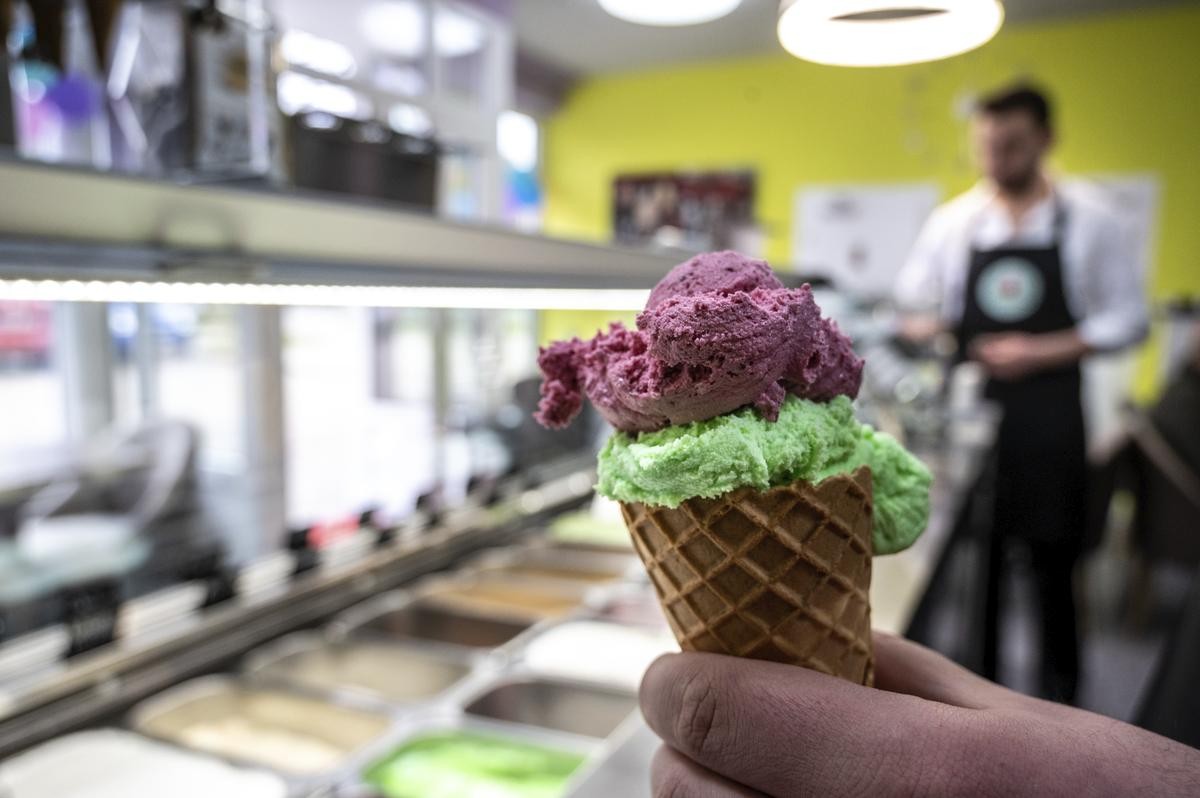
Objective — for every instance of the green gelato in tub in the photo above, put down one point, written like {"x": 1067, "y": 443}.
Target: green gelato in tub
{"x": 456, "y": 764}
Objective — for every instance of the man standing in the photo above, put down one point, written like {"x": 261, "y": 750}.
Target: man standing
{"x": 1031, "y": 278}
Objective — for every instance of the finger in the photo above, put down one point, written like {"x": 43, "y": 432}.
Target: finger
{"x": 902, "y": 666}
{"x": 790, "y": 731}
{"x": 673, "y": 775}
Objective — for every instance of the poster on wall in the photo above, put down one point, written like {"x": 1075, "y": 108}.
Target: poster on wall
{"x": 697, "y": 211}
{"x": 858, "y": 235}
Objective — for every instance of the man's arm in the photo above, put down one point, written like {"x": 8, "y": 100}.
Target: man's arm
{"x": 1010, "y": 356}
{"x": 918, "y": 288}
{"x": 1115, "y": 313}
{"x": 736, "y": 727}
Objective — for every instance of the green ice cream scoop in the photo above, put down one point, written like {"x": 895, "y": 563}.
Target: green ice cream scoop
{"x": 811, "y": 441}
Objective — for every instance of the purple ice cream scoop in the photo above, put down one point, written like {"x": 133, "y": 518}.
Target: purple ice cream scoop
{"x": 719, "y": 332}
{"x": 725, "y": 272}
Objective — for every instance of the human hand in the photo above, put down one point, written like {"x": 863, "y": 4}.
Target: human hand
{"x": 738, "y": 728}
{"x": 920, "y": 329}
{"x": 1007, "y": 356}
{"x": 1013, "y": 355}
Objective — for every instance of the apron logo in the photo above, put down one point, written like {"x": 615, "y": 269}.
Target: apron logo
{"x": 1010, "y": 289}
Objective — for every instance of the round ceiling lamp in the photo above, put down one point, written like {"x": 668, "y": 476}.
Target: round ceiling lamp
{"x": 885, "y": 32}
{"x": 669, "y": 13}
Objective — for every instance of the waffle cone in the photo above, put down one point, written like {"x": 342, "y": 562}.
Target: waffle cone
{"x": 779, "y": 575}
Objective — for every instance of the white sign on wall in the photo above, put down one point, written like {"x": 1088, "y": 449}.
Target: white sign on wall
{"x": 858, "y": 235}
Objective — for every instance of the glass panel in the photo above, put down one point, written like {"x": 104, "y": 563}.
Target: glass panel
{"x": 462, "y": 182}
{"x": 356, "y": 437}
{"x": 31, "y": 389}
{"x": 299, "y": 93}
{"x": 460, "y": 46}
{"x": 199, "y": 380}
{"x": 400, "y": 78}
{"x": 58, "y": 89}
{"x": 318, "y": 54}
{"x": 360, "y": 396}
{"x": 489, "y": 353}
{"x": 396, "y": 35}
{"x": 412, "y": 120}
{"x": 517, "y": 140}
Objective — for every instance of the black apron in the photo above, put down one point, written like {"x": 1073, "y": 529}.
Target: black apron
{"x": 1041, "y": 468}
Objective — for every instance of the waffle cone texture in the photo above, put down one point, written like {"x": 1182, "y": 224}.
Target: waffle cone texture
{"x": 781, "y": 575}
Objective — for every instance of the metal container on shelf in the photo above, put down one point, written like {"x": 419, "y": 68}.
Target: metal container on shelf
{"x": 588, "y": 710}
{"x": 361, "y": 158}
{"x": 366, "y": 670}
{"x": 584, "y": 649}
{"x": 305, "y": 738}
{"x": 553, "y": 544}
{"x": 557, "y": 564}
{"x": 632, "y": 604}
{"x": 507, "y": 596}
{"x": 536, "y": 755}
{"x": 409, "y": 615}
{"x": 114, "y": 762}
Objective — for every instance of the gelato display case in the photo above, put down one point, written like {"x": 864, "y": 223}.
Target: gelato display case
{"x": 481, "y": 656}
{"x": 477, "y": 655}
{"x": 487, "y": 640}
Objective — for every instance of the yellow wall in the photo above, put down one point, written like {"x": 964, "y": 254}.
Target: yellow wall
{"x": 555, "y": 325}
{"x": 1128, "y": 87}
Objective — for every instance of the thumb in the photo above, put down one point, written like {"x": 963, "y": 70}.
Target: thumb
{"x": 902, "y": 666}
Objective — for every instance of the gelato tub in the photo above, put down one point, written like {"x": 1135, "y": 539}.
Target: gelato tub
{"x": 561, "y": 706}
{"x": 588, "y": 567}
{"x": 640, "y": 607}
{"x": 296, "y": 734}
{"x": 109, "y": 763}
{"x": 469, "y": 764}
{"x": 597, "y": 652}
{"x": 381, "y": 670}
{"x": 507, "y": 597}
{"x": 419, "y": 619}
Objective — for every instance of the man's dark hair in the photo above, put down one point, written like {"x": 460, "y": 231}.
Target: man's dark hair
{"x": 1021, "y": 97}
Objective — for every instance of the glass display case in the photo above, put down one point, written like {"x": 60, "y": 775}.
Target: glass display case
{"x": 233, "y": 434}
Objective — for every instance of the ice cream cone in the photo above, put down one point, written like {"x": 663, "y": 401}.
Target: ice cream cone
{"x": 780, "y": 575}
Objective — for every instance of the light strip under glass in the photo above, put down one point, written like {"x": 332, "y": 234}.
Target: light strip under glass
{"x": 366, "y": 296}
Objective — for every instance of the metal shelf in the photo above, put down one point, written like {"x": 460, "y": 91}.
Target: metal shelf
{"x": 65, "y": 223}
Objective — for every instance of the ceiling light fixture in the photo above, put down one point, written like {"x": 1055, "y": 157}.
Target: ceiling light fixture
{"x": 885, "y": 32}
{"x": 669, "y": 13}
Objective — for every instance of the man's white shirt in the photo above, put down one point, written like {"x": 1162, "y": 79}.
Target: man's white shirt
{"x": 1102, "y": 269}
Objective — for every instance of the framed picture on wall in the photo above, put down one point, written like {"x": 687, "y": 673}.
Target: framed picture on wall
{"x": 693, "y": 210}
